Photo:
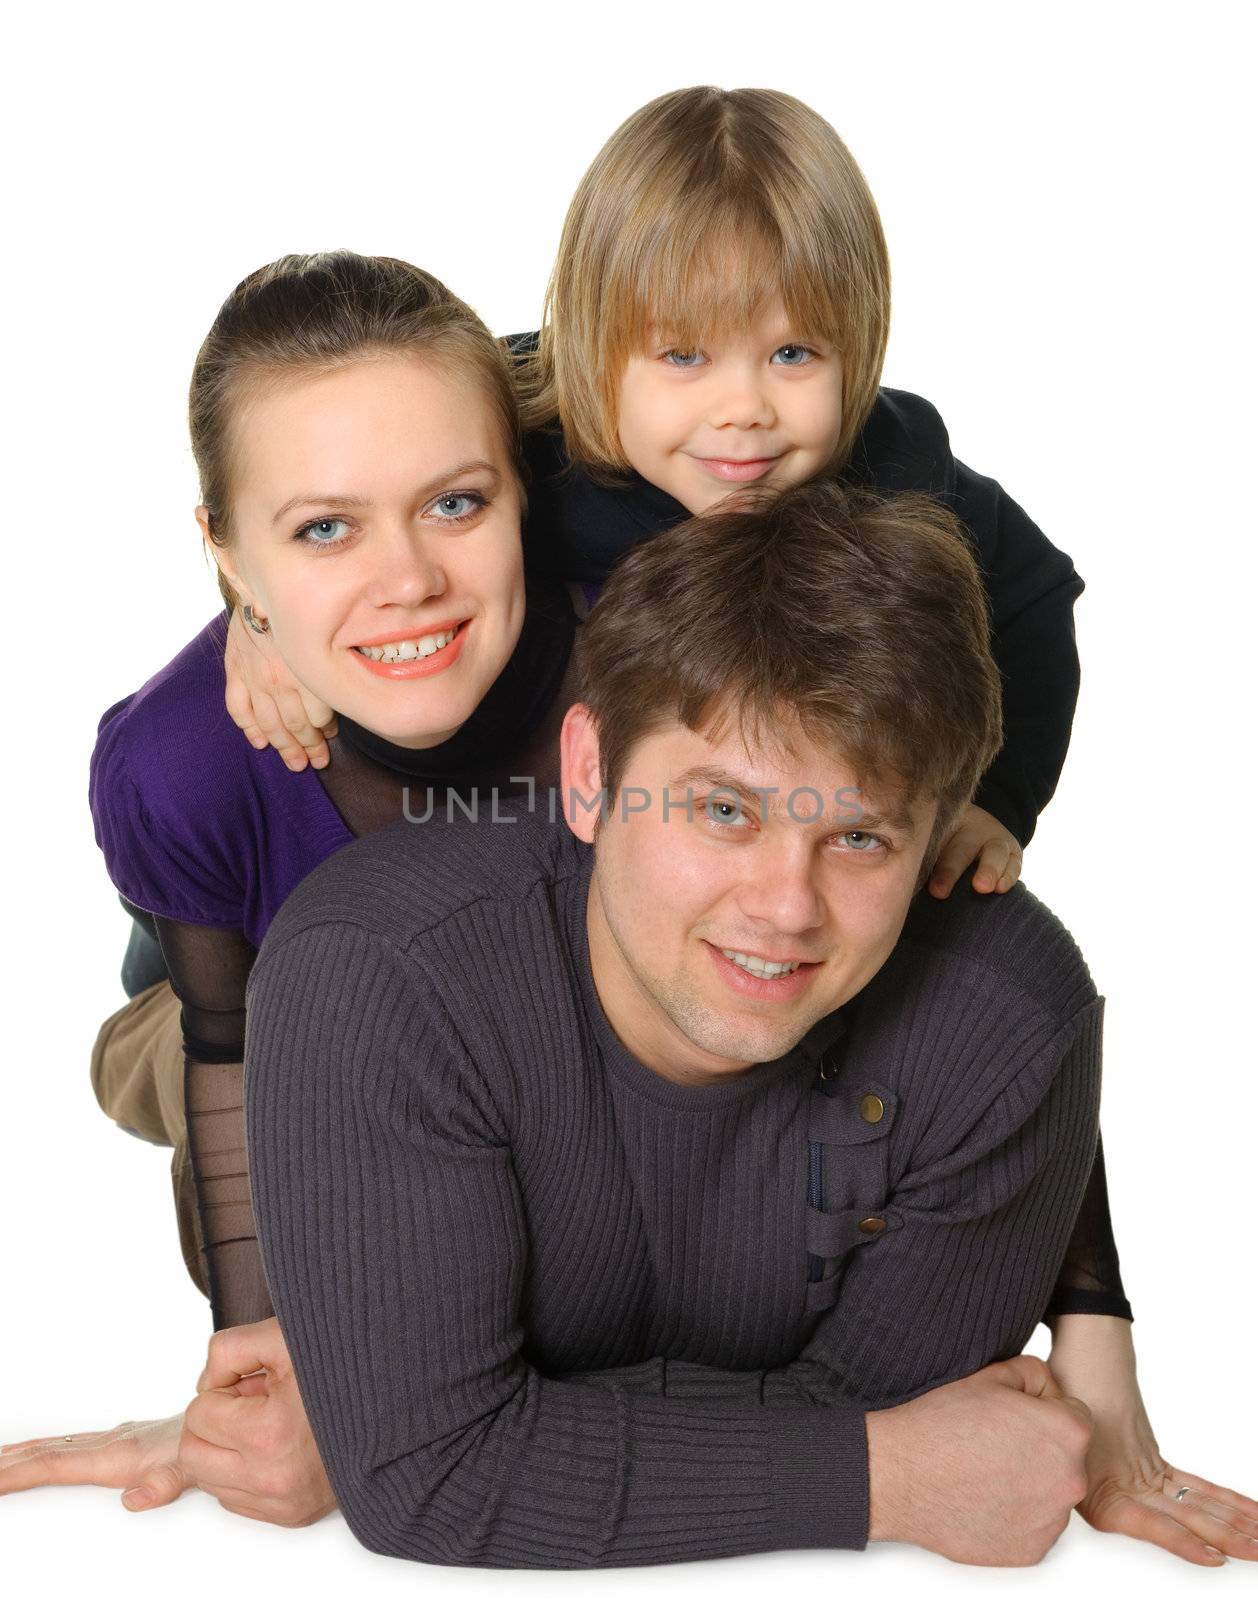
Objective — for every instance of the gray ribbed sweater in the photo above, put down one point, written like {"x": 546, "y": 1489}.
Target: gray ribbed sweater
{"x": 547, "y": 1308}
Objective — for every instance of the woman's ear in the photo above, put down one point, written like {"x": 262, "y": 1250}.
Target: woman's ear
{"x": 581, "y": 791}
{"x": 222, "y": 558}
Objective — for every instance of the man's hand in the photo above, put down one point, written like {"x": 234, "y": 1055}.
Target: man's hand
{"x": 268, "y": 704}
{"x": 1132, "y": 1488}
{"x": 978, "y": 837}
{"x": 984, "y": 1470}
{"x": 244, "y": 1439}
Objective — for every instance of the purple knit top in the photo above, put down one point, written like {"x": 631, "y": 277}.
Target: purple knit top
{"x": 196, "y": 824}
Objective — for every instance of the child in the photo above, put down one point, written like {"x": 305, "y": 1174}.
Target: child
{"x": 718, "y": 316}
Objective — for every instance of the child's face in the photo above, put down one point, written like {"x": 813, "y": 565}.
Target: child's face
{"x": 764, "y": 407}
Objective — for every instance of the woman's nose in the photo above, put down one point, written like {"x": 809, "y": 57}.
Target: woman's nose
{"x": 407, "y": 570}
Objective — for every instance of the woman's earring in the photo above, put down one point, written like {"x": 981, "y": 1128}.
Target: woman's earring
{"x": 258, "y": 624}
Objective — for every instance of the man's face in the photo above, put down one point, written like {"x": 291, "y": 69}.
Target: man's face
{"x": 760, "y": 407}
{"x": 685, "y": 899}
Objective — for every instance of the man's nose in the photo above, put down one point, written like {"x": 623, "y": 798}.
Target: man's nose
{"x": 780, "y": 889}
{"x": 407, "y": 571}
{"x": 742, "y": 399}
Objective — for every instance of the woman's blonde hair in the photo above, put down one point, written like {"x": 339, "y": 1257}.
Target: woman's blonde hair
{"x": 701, "y": 204}
{"x": 314, "y": 313}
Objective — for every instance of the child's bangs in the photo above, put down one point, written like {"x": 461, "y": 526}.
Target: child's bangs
{"x": 689, "y": 281}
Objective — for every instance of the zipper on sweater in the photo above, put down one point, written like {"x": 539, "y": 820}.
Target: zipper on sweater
{"x": 815, "y": 1197}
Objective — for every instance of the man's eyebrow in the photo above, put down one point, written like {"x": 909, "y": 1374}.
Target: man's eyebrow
{"x": 895, "y": 818}
{"x": 342, "y": 502}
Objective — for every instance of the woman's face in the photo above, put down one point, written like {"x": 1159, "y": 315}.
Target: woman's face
{"x": 376, "y": 526}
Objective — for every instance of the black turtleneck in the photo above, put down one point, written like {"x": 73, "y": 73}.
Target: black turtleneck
{"x": 579, "y": 528}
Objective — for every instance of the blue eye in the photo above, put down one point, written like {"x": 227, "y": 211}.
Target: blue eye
{"x": 869, "y": 841}
{"x": 684, "y": 358}
{"x": 457, "y": 506}
{"x": 322, "y": 533}
{"x": 792, "y": 355}
{"x": 724, "y": 813}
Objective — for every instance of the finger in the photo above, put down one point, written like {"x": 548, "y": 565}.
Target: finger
{"x": 267, "y": 716}
{"x": 212, "y": 1467}
{"x": 1027, "y": 1373}
{"x": 221, "y": 1418}
{"x": 1012, "y": 872}
{"x": 992, "y": 862}
{"x": 239, "y": 704}
{"x": 243, "y": 1351}
{"x": 1230, "y": 1497}
{"x": 1216, "y": 1523}
{"x": 1155, "y": 1527}
{"x": 954, "y": 858}
{"x": 59, "y": 1463}
{"x": 159, "y": 1488}
{"x": 52, "y": 1439}
{"x": 292, "y": 710}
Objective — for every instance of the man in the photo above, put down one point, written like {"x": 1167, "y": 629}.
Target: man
{"x": 664, "y": 1184}
{"x": 622, "y": 1184}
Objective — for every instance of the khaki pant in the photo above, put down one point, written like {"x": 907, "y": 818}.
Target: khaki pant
{"x": 137, "y": 1073}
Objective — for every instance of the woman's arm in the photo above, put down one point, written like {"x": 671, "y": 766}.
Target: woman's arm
{"x": 1132, "y": 1488}
{"x": 209, "y": 969}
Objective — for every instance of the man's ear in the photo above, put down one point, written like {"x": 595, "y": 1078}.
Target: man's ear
{"x": 223, "y": 560}
{"x": 580, "y": 780}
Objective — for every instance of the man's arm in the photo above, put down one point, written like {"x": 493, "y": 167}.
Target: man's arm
{"x": 975, "y": 1233}
{"x": 396, "y": 1249}
{"x": 392, "y": 1223}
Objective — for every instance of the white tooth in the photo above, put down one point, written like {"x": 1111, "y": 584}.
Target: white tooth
{"x": 426, "y": 647}
{"x": 407, "y": 650}
{"x": 389, "y": 653}
{"x": 759, "y": 967}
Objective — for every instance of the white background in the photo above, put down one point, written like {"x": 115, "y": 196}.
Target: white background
{"x": 1064, "y": 191}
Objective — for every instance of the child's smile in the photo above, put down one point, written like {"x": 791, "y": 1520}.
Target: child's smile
{"x": 764, "y": 405}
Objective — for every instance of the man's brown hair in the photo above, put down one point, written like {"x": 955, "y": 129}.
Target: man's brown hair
{"x": 860, "y": 617}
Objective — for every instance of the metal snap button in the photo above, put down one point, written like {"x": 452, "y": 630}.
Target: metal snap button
{"x": 872, "y": 1108}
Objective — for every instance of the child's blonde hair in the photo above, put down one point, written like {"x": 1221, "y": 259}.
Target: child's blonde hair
{"x": 701, "y": 204}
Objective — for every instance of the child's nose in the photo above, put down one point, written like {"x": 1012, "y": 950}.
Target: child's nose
{"x": 743, "y": 401}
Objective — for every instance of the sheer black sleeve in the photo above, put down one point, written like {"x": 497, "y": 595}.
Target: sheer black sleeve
{"x": 209, "y": 968}
{"x": 1090, "y": 1281}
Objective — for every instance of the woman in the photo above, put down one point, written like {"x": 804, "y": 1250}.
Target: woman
{"x": 355, "y": 431}
{"x": 357, "y": 441}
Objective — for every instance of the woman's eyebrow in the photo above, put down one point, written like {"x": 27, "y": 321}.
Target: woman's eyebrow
{"x": 341, "y": 502}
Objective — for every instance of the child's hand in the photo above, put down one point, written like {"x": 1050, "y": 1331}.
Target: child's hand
{"x": 978, "y": 837}
{"x": 267, "y": 703}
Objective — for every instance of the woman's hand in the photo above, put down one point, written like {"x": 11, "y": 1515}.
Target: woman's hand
{"x": 1132, "y": 1488}
{"x": 267, "y": 703}
{"x": 245, "y": 1440}
{"x": 978, "y": 837}
{"x": 140, "y": 1457}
